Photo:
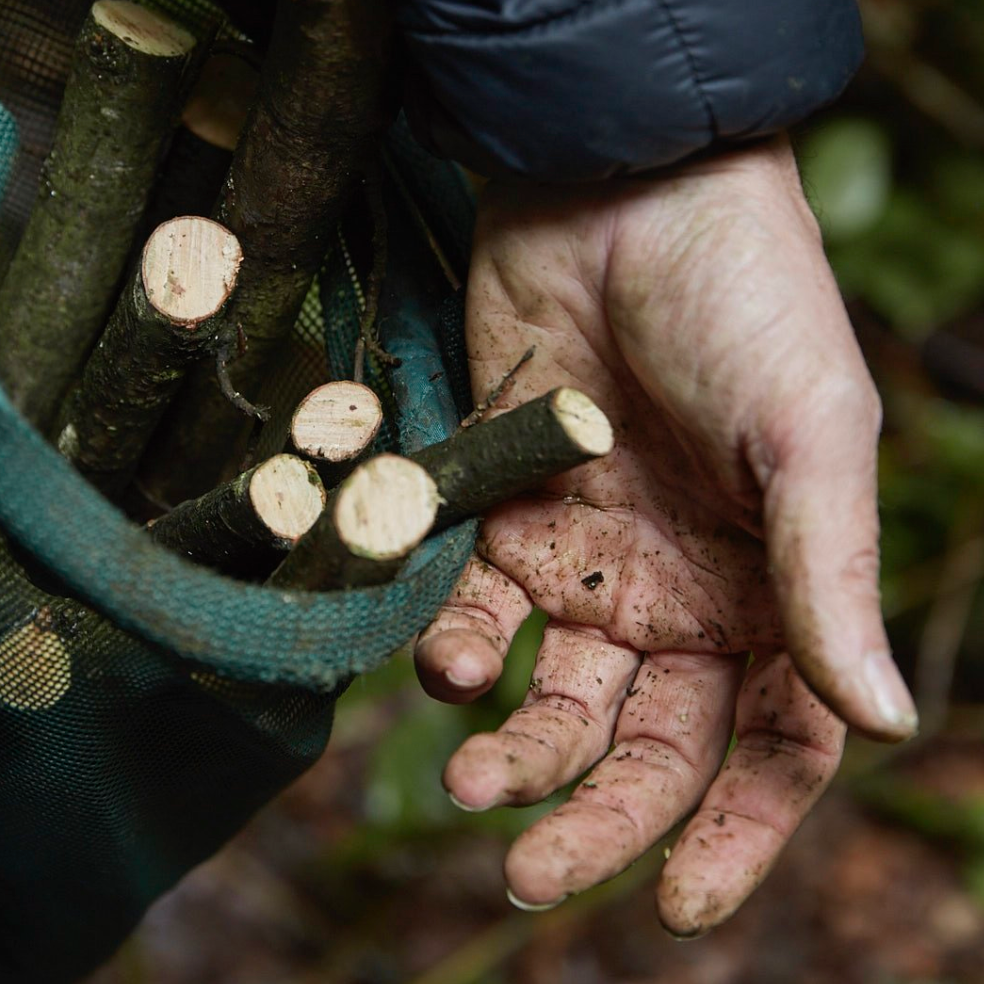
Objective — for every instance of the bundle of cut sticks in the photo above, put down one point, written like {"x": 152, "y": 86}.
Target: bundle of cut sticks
{"x": 206, "y": 181}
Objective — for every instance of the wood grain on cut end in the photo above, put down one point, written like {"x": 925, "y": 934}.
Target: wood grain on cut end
{"x": 35, "y": 667}
{"x": 142, "y": 29}
{"x": 189, "y": 269}
{"x": 385, "y": 507}
{"x": 337, "y": 421}
{"x": 583, "y": 422}
{"x": 287, "y": 495}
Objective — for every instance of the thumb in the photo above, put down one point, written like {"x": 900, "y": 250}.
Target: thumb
{"x": 821, "y": 525}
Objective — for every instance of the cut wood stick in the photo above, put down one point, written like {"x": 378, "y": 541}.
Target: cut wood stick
{"x": 164, "y": 321}
{"x": 334, "y": 426}
{"x": 245, "y": 526}
{"x": 223, "y": 95}
{"x": 325, "y": 98}
{"x": 382, "y": 511}
{"x": 201, "y": 150}
{"x": 120, "y": 104}
{"x": 492, "y": 461}
{"x": 378, "y": 515}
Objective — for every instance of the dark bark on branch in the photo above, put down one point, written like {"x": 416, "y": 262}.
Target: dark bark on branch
{"x": 164, "y": 321}
{"x": 492, "y": 461}
{"x": 245, "y": 526}
{"x": 120, "y": 104}
{"x": 324, "y": 101}
{"x": 378, "y": 515}
{"x": 201, "y": 150}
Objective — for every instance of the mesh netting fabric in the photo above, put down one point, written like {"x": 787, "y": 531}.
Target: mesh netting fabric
{"x": 148, "y": 707}
{"x": 123, "y": 767}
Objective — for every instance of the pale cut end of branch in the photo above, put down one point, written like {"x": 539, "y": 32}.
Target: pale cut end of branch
{"x": 189, "y": 269}
{"x": 583, "y": 422}
{"x": 336, "y": 422}
{"x": 142, "y": 29}
{"x": 287, "y": 496}
{"x": 220, "y": 100}
{"x": 385, "y": 508}
{"x": 35, "y": 666}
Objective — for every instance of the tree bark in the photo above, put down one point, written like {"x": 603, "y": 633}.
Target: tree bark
{"x": 164, "y": 321}
{"x": 245, "y": 526}
{"x": 490, "y": 462}
{"x": 120, "y": 104}
{"x": 378, "y": 515}
{"x": 324, "y": 102}
{"x": 201, "y": 150}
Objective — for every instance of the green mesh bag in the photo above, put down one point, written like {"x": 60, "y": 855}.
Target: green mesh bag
{"x": 149, "y": 707}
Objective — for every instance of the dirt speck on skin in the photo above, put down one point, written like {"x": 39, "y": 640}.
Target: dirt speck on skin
{"x": 593, "y": 580}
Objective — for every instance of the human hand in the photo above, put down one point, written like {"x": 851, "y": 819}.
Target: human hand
{"x": 736, "y": 514}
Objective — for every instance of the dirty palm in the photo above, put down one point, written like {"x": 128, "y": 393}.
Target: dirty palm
{"x": 735, "y": 516}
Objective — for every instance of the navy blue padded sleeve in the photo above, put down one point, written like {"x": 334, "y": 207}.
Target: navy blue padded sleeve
{"x": 584, "y": 89}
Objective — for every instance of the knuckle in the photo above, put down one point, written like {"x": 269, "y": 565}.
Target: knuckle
{"x": 852, "y": 398}
{"x": 860, "y": 571}
{"x": 838, "y": 417}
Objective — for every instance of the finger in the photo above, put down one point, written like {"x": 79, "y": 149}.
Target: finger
{"x": 788, "y": 749}
{"x": 566, "y": 723}
{"x": 672, "y": 734}
{"x": 459, "y": 656}
{"x": 822, "y": 536}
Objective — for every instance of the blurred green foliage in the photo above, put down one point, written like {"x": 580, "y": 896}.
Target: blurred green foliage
{"x": 912, "y": 250}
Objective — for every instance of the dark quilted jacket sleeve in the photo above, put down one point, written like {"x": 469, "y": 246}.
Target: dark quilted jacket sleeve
{"x": 584, "y": 89}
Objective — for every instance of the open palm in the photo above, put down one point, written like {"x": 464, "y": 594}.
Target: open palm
{"x": 722, "y": 554}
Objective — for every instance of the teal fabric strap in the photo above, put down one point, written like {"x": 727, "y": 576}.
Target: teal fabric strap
{"x": 312, "y": 640}
{"x": 8, "y": 146}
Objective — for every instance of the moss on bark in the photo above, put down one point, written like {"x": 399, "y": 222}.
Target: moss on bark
{"x": 235, "y": 530}
{"x": 146, "y": 349}
{"x": 121, "y": 102}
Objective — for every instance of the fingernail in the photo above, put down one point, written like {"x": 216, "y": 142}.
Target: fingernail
{"x": 533, "y": 906}
{"x": 476, "y": 809}
{"x": 689, "y": 937}
{"x": 889, "y": 692}
{"x": 467, "y": 673}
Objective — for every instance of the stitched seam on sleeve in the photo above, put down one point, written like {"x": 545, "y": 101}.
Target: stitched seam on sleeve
{"x": 584, "y": 10}
{"x": 691, "y": 62}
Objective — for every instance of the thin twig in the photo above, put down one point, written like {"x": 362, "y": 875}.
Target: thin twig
{"x": 368, "y": 334}
{"x": 490, "y": 401}
{"x": 226, "y": 353}
{"x": 358, "y": 371}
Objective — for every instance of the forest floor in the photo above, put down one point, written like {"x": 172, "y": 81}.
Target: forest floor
{"x": 883, "y": 884}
